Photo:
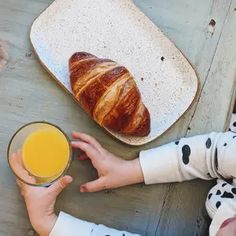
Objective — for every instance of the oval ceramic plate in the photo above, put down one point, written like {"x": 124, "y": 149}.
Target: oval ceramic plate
{"x": 118, "y": 30}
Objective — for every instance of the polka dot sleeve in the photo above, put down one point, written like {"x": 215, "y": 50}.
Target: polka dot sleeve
{"x": 221, "y": 204}
{"x": 204, "y": 156}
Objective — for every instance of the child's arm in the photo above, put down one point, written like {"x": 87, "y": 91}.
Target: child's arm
{"x": 113, "y": 172}
{"x": 228, "y": 228}
{"x": 42, "y": 215}
{"x": 71, "y": 226}
{"x": 205, "y": 156}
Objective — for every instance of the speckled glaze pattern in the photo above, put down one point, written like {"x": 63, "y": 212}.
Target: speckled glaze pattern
{"x": 118, "y": 30}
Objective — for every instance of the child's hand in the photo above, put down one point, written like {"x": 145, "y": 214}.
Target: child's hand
{"x": 40, "y": 202}
{"x": 228, "y": 228}
{"x": 113, "y": 172}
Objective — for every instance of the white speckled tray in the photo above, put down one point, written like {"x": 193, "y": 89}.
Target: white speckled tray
{"x": 118, "y": 30}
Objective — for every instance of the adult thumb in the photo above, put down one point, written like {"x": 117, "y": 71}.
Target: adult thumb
{"x": 56, "y": 188}
{"x": 93, "y": 186}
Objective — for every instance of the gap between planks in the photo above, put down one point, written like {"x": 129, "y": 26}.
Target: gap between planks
{"x": 208, "y": 72}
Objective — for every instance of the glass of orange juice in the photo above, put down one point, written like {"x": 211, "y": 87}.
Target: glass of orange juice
{"x": 39, "y": 153}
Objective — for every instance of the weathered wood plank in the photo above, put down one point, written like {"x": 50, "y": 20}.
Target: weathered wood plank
{"x": 191, "y": 34}
{"x": 187, "y": 24}
{"x": 209, "y": 115}
{"x": 27, "y": 93}
{"x": 220, "y": 81}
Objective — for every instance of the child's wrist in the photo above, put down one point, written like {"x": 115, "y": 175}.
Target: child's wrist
{"x": 134, "y": 171}
{"x": 44, "y": 227}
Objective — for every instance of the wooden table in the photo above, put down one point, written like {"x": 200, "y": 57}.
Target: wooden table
{"x": 28, "y": 93}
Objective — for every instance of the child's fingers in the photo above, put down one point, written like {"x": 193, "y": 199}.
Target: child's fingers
{"x": 83, "y": 157}
{"x": 18, "y": 168}
{"x": 15, "y": 160}
{"x": 93, "y": 186}
{"x": 90, "y": 151}
{"x": 20, "y": 184}
{"x": 23, "y": 187}
{"x": 56, "y": 188}
{"x": 87, "y": 138}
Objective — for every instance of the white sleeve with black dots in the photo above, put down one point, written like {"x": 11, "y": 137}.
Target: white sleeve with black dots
{"x": 204, "y": 156}
{"x": 232, "y": 125}
{"x": 221, "y": 204}
{"x": 221, "y": 192}
{"x": 69, "y": 225}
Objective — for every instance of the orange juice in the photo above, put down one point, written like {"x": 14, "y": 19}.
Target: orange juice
{"x": 46, "y": 153}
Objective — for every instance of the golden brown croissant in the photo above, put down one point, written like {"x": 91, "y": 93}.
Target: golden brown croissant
{"x": 108, "y": 92}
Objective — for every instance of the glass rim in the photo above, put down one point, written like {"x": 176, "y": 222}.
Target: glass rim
{"x": 70, "y": 153}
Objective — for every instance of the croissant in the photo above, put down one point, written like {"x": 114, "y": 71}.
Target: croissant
{"x": 108, "y": 92}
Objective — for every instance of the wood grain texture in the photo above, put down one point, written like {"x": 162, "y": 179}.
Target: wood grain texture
{"x": 204, "y": 115}
{"x": 28, "y": 93}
